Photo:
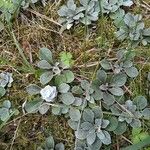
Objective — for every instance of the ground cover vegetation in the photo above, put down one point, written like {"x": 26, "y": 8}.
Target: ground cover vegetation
{"x": 74, "y": 74}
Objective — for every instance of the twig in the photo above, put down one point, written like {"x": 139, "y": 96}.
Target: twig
{"x": 44, "y": 17}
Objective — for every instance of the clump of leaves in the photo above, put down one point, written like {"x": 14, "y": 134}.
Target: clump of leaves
{"x": 5, "y": 81}
{"x": 123, "y": 64}
{"x": 52, "y": 69}
{"x": 49, "y": 144}
{"x": 6, "y": 112}
{"x": 133, "y": 29}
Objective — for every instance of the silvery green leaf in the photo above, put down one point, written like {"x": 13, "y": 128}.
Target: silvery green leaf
{"x": 113, "y": 123}
{"x": 121, "y": 34}
{"x": 74, "y": 114}
{"x": 106, "y": 64}
{"x": 88, "y": 115}
{"x": 33, "y": 106}
{"x": 50, "y": 142}
{"x": 73, "y": 124}
{"x": 77, "y": 90}
{"x": 101, "y": 75}
{"x": 107, "y": 139}
{"x": 148, "y": 77}
{"x": 63, "y": 88}
{"x": 97, "y": 112}
{"x": 78, "y": 101}
{"x": 108, "y": 98}
{"x": 91, "y": 137}
{"x": 71, "y": 5}
{"x": 117, "y": 91}
{"x": 129, "y": 20}
{"x": 127, "y": 3}
{"x": 81, "y": 134}
{"x": 85, "y": 84}
{"x": 146, "y": 32}
{"x": 144, "y": 42}
{"x": 127, "y": 64}
{"x": 67, "y": 98}
{"x": 4, "y": 114}
{"x": 105, "y": 123}
{"x": 140, "y": 102}
{"x": 63, "y": 11}
{"x": 43, "y": 64}
{"x": 7, "y": 104}
{"x": 121, "y": 128}
{"x": 65, "y": 109}
{"x": 136, "y": 123}
{"x": 100, "y": 134}
{"x": 56, "y": 110}
{"x": 96, "y": 145}
{"x": 60, "y": 146}
{"x": 135, "y": 35}
{"x": 146, "y": 113}
{"x": 86, "y": 126}
{"x": 33, "y": 89}
{"x": 84, "y": 3}
{"x": 59, "y": 79}
{"x": 119, "y": 79}
{"x": 97, "y": 95}
{"x": 46, "y": 54}
{"x": 115, "y": 109}
{"x": 2, "y": 91}
{"x": 131, "y": 72}
{"x": 46, "y": 77}
{"x": 43, "y": 108}
{"x": 69, "y": 76}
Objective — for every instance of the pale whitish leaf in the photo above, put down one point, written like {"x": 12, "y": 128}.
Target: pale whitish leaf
{"x": 2, "y": 91}
{"x": 106, "y": 64}
{"x": 91, "y": 137}
{"x": 127, "y": 3}
{"x": 43, "y": 109}
{"x": 146, "y": 113}
{"x": 121, "y": 34}
{"x": 127, "y": 64}
{"x": 7, "y": 104}
{"x": 4, "y": 114}
{"x": 81, "y": 134}
{"x": 119, "y": 80}
{"x": 46, "y": 77}
{"x": 73, "y": 124}
{"x": 146, "y": 32}
{"x": 63, "y": 88}
{"x": 65, "y": 109}
{"x": 60, "y": 146}
{"x": 74, "y": 114}
{"x": 107, "y": 139}
{"x": 32, "y": 107}
{"x": 46, "y": 54}
{"x": 101, "y": 75}
{"x": 108, "y": 98}
{"x": 50, "y": 142}
{"x": 129, "y": 20}
{"x": 69, "y": 76}
{"x": 131, "y": 72}
{"x": 88, "y": 115}
{"x": 140, "y": 102}
{"x": 85, "y": 84}
{"x": 113, "y": 123}
{"x": 116, "y": 91}
{"x": 86, "y": 126}
{"x": 33, "y": 89}
{"x": 121, "y": 128}
{"x": 67, "y": 98}
{"x": 43, "y": 64}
